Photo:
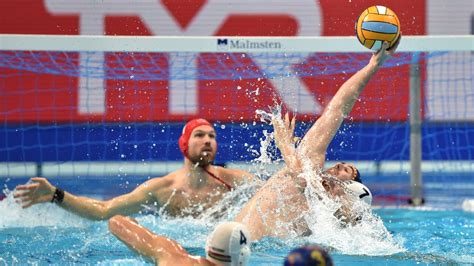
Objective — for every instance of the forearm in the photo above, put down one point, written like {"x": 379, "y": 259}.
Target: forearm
{"x": 290, "y": 157}
{"x": 136, "y": 237}
{"x": 141, "y": 240}
{"x": 85, "y": 207}
{"x": 317, "y": 139}
{"x": 347, "y": 95}
{"x": 39, "y": 190}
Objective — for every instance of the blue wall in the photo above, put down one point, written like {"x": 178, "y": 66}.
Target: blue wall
{"x": 153, "y": 141}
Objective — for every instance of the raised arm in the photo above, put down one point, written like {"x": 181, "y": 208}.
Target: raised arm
{"x": 317, "y": 139}
{"x": 283, "y": 133}
{"x": 144, "y": 242}
{"x": 40, "y": 190}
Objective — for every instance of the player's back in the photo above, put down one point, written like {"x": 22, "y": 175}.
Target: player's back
{"x": 276, "y": 209}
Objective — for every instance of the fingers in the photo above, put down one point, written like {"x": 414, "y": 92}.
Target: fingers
{"x": 20, "y": 194}
{"x": 289, "y": 124}
{"x": 36, "y": 180}
{"x": 27, "y": 187}
{"x": 41, "y": 180}
{"x": 22, "y": 197}
{"x": 285, "y": 126}
{"x": 30, "y": 200}
{"x": 382, "y": 49}
{"x": 287, "y": 121}
{"x": 27, "y": 204}
{"x": 24, "y": 201}
{"x": 292, "y": 124}
{"x": 395, "y": 45}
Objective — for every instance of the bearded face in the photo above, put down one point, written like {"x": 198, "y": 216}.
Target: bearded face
{"x": 202, "y": 145}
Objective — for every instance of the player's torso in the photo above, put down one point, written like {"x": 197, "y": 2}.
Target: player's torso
{"x": 275, "y": 210}
{"x": 178, "y": 199}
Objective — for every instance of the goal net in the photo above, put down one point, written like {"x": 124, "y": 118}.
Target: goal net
{"x": 97, "y": 106}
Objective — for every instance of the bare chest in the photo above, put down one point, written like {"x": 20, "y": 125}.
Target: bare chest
{"x": 187, "y": 202}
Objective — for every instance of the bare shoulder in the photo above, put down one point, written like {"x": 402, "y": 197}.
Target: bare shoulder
{"x": 160, "y": 184}
{"x": 162, "y": 187}
{"x": 234, "y": 175}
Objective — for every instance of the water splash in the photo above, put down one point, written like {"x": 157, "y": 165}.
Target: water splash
{"x": 265, "y": 162}
{"x": 231, "y": 203}
{"x": 368, "y": 237}
{"x": 48, "y": 214}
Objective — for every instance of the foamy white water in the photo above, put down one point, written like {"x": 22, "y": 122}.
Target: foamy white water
{"x": 46, "y": 214}
{"x": 367, "y": 237}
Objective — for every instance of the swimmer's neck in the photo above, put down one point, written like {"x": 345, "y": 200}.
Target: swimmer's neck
{"x": 196, "y": 175}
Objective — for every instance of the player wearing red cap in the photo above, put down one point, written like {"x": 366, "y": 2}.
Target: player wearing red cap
{"x": 189, "y": 190}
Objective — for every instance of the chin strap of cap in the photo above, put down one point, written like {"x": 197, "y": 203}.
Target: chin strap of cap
{"x": 229, "y": 187}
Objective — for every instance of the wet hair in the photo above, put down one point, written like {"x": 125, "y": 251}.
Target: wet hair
{"x": 357, "y": 176}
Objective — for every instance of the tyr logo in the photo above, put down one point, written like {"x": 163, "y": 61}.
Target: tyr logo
{"x": 202, "y": 18}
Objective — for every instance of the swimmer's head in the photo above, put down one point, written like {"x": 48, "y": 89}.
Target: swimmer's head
{"x": 308, "y": 255}
{"x": 197, "y": 141}
{"x": 229, "y": 244}
{"x": 360, "y": 191}
{"x": 345, "y": 172}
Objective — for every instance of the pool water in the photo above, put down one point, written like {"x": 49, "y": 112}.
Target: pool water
{"x": 46, "y": 234}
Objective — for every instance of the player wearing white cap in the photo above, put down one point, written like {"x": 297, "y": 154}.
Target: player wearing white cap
{"x": 228, "y": 244}
{"x": 279, "y": 207}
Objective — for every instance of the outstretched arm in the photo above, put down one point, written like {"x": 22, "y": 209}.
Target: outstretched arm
{"x": 145, "y": 242}
{"x": 317, "y": 139}
{"x": 40, "y": 190}
{"x": 283, "y": 133}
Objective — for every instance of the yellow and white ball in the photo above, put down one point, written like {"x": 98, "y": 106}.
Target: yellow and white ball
{"x": 376, "y": 25}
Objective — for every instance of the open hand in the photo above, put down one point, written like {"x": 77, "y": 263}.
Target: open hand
{"x": 379, "y": 57}
{"x": 39, "y": 191}
{"x": 284, "y": 130}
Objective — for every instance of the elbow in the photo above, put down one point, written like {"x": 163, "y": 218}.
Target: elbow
{"x": 103, "y": 212}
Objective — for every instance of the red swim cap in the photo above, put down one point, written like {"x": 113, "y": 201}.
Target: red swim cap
{"x": 187, "y": 130}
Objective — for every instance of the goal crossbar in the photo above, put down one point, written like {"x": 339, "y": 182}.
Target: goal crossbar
{"x": 222, "y": 43}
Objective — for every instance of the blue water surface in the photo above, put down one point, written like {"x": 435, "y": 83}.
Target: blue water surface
{"x": 431, "y": 237}
{"x": 46, "y": 234}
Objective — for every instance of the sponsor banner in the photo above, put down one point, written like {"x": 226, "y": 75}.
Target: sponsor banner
{"x": 47, "y": 97}
{"x": 236, "y": 44}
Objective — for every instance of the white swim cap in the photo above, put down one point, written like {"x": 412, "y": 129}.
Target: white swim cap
{"x": 229, "y": 244}
{"x": 359, "y": 190}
